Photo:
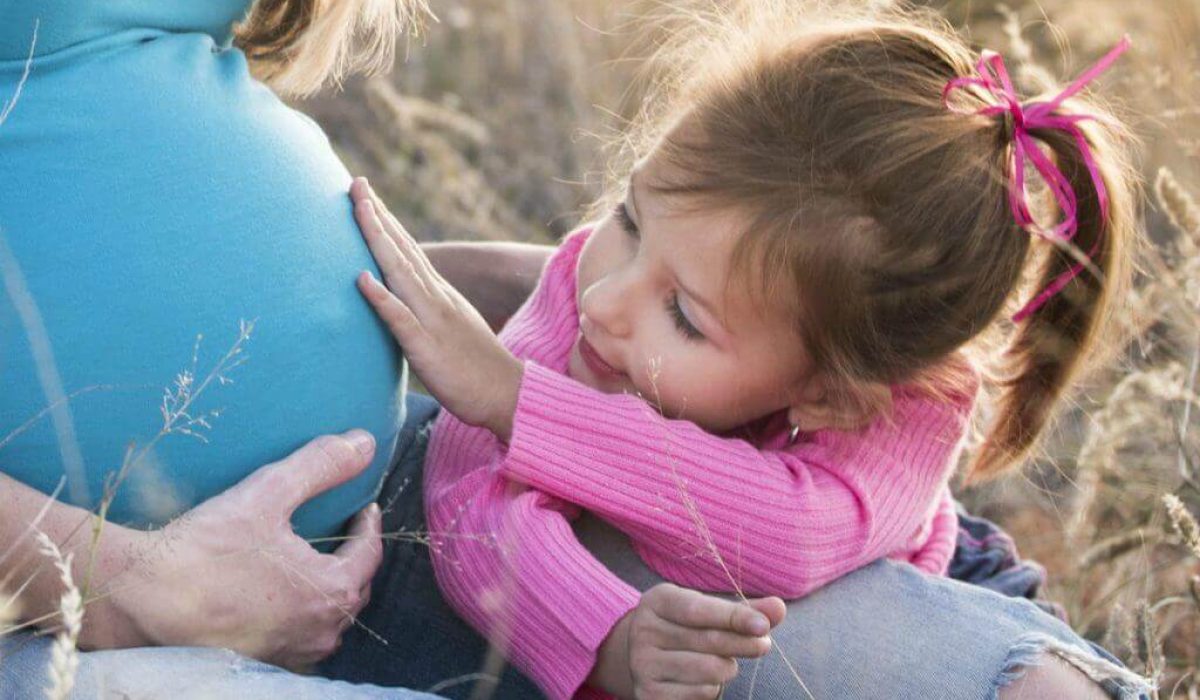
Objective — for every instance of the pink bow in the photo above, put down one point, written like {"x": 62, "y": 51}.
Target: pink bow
{"x": 993, "y": 77}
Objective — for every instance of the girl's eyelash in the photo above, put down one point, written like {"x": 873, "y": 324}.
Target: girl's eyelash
{"x": 681, "y": 320}
{"x": 682, "y": 323}
{"x": 626, "y": 221}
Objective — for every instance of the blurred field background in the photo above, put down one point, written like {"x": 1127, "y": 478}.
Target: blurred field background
{"x": 491, "y": 127}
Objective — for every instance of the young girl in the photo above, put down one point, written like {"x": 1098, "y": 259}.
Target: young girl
{"x": 755, "y": 365}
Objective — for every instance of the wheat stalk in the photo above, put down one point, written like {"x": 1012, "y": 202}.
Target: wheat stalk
{"x": 10, "y": 611}
{"x": 1184, "y": 522}
{"x": 12, "y": 102}
{"x": 1178, "y": 205}
{"x": 64, "y": 655}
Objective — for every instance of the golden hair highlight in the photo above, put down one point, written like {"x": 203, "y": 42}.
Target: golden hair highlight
{"x": 299, "y": 46}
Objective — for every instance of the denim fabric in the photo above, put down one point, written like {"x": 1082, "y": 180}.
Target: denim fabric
{"x": 884, "y": 631}
{"x": 179, "y": 673}
{"x": 986, "y": 556}
{"x": 889, "y": 631}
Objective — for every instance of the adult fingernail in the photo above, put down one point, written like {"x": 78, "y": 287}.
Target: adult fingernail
{"x": 363, "y": 441}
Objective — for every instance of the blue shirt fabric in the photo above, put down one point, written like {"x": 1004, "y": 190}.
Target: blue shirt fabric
{"x": 152, "y": 192}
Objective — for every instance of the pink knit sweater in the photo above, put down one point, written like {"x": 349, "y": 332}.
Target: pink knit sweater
{"x": 784, "y": 518}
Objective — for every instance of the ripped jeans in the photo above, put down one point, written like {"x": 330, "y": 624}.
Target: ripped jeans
{"x": 884, "y": 631}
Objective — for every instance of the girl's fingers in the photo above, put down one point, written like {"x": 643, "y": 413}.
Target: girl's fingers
{"x": 712, "y": 641}
{"x": 402, "y": 238}
{"x": 398, "y": 317}
{"x": 690, "y": 608}
{"x": 398, "y": 270}
{"x": 774, "y": 608}
{"x": 412, "y": 263}
{"x": 694, "y": 668}
{"x": 359, "y": 188}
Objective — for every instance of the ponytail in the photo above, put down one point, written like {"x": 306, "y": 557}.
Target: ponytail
{"x": 1070, "y": 329}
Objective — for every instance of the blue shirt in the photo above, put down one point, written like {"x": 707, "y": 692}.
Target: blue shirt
{"x": 153, "y": 193}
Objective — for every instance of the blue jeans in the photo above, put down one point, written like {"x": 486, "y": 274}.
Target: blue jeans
{"x": 886, "y": 630}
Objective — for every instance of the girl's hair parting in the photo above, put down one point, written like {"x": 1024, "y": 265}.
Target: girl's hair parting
{"x": 879, "y": 215}
{"x": 298, "y": 46}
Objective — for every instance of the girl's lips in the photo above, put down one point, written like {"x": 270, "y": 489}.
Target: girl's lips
{"x": 593, "y": 359}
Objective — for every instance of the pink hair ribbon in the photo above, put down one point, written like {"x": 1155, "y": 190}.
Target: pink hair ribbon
{"x": 993, "y": 77}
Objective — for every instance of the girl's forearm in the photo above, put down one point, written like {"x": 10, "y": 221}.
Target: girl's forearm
{"x": 508, "y": 562}
{"x": 28, "y": 571}
{"x": 787, "y": 520}
{"x": 496, "y": 277}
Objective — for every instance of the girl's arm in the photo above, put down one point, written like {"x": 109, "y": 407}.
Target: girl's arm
{"x": 943, "y": 538}
{"x": 507, "y": 560}
{"x": 496, "y": 277}
{"x": 719, "y": 513}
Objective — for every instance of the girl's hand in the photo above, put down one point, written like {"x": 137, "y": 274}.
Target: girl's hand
{"x": 680, "y": 644}
{"x": 449, "y": 345}
{"x": 231, "y": 572}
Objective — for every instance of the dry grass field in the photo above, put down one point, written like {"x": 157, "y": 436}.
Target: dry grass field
{"x": 492, "y": 127}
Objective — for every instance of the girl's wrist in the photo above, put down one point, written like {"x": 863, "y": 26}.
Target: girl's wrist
{"x": 504, "y": 404}
{"x": 613, "y": 670}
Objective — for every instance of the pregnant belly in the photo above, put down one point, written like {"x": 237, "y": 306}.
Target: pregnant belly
{"x": 180, "y": 257}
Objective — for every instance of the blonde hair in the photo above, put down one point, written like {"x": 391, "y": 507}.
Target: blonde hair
{"x": 882, "y": 216}
{"x": 299, "y": 46}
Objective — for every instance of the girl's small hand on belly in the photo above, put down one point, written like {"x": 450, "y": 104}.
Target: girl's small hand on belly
{"x": 447, "y": 342}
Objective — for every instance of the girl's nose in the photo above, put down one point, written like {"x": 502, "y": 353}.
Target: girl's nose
{"x": 606, "y": 304}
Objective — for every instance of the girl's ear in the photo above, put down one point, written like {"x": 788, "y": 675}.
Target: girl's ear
{"x": 814, "y": 407}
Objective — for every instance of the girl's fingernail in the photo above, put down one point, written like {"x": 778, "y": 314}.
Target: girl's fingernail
{"x": 760, "y": 625}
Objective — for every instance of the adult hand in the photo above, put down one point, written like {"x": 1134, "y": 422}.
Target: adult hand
{"x": 232, "y": 573}
{"x": 679, "y": 644}
{"x": 447, "y": 342}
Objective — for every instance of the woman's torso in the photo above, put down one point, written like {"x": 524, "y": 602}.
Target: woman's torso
{"x": 151, "y": 192}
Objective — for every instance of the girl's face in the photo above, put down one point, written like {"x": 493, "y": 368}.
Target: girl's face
{"x": 657, "y": 318}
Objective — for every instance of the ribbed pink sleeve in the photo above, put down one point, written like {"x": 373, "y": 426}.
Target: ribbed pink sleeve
{"x": 935, "y": 556}
{"x": 783, "y": 522}
{"x": 507, "y": 561}
{"x": 504, "y": 555}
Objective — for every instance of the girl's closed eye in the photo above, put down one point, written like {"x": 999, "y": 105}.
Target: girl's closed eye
{"x": 682, "y": 323}
{"x": 626, "y": 221}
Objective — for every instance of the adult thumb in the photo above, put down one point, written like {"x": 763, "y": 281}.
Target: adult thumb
{"x": 318, "y": 466}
